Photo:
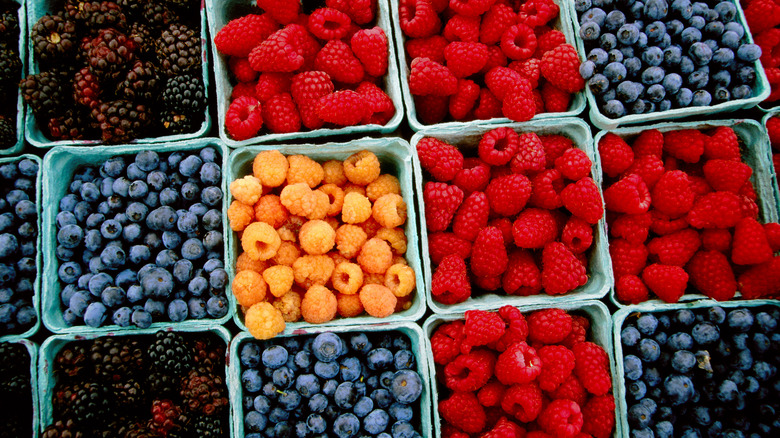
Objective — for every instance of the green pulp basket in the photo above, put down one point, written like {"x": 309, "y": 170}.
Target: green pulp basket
{"x": 22, "y": 16}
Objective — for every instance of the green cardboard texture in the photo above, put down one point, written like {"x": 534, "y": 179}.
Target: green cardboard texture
{"x": 22, "y": 16}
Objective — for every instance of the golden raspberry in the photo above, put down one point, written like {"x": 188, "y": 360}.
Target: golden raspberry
{"x": 349, "y": 306}
{"x": 354, "y": 188}
{"x": 264, "y": 321}
{"x": 398, "y": 260}
{"x": 320, "y": 205}
{"x": 247, "y": 189}
{"x": 349, "y": 240}
{"x": 269, "y": 209}
{"x": 313, "y": 269}
{"x": 287, "y": 254}
{"x": 337, "y": 257}
{"x": 375, "y": 256}
{"x": 370, "y": 226}
{"x": 289, "y": 305}
{"x": 362, "y": 168}
{"x": 347, "y": 278}
{"x": 270, "y": 167}
{"x": 260, "y": 241}
{"x": 248, "y": 288}
{"x": 384, "y": 185}
{"x": 333, "y": 222}
{"x": 356, "y": 209}
{"x": 389, "y": 210}
{"x": 290, "y": 229}
{"x": 304, "y": 170}
{"x": 378, "y": 301}
{"x": 369, "y": 278}
{"x": 334, "y": 173}
{"x": 240, "y": 215}
{"x": 399, "y": 279}
{"x": 319, "y": 305}
{"x": 246, "y": 263}
{"x": 395, "y": 237}
{"x": 297, "y": 199}
{"x": 335, "y": 198}
{"x": 279, "y": 279}
{"x": 317, "y": 237}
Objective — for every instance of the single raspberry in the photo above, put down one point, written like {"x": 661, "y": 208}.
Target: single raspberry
{"x": 482, "y": 328}
{"x": 383, "y": 185}
{"x": 241, "y": 69}
{"x": 390, "y": 211}
{"x": 504, "y": 428}
{"x": 548, "y": 326}
{"x": 488, "y": 107}
{"x": 662, "y": 224}
{"x": 498, "y": 146}
{"x": 547, "y": 188}
{"x": 445, "y": 342}
{"x": 577, "y": 235}
{"x": 561, "y": 418}
{"x": 715, "y": 210}
{"x": 761, "y": 281}
{"x": 502, "y": 80}
{"x": 762, "y": 15}
{"x": 244, "y": 118}
{"x": 279, "y": 279}
{"x": 554, "y": 146}
{"x": 462, "y": 102}
{"x": 319, "y": 305}
{"x": 472, "y": 216}
{"x": 496, "y": 20}
{"x": 561, "y": 66}
{"x": 574, "y": 164}
{"x": 616, "y": 155}
{"x": 328, "y": 24}
{"x": 716, "y": 239}
{"x": 517, "y": 105}
{"x": 303, "y": 169}
{"x": 239, "y": 36}
{"x": 537, "y": 13}
{"x": 627, "y": 258}
{"x": 672, "y": 194}
{"x": 430, "y": 78}
{"x": 631, "y": 290}
{"x": 676, "y": 248}
{"x": 579, "y": 331}
{"x": 710, "y": 273}
{"x": 264, "y": 321}
{"x": 450, "y": 283}
{"x": 370, "y": 47}
{"x": 571, "y": 389}
{"x": 431, "y": 47}
{"x": 531, "y": 69}
{"x": 243, "y": 89}
{"x": 534, "y": 228}
{"x": 460, "y": 28}
{"x": 517, "y": 327}
{"x": 548, "y": 41}
{"x": 648, "y": 167}
{"x": 283, "y": 11}
{"x": 260, "y": 241}
{"x": 277, "y": 53}
{"x": 240, "y": 215}
{"x": 462, "y": 410}
{"x": 362, "y": 168}
{"x": 555, "y": 100}
{"x": 312, "y": 270}
{"x": 773, "y": 129}
{"x": 347, "y": 278}
{"x": 599, "y": 416}
{"x": 722, "y": 144}
{"x": 337, "y": 60}
{"x": 628, "y": 195}
{"x": 562, "y": 272}
{"x": 750, "y": 245}
{"x": 518, "y": 364}
{"x": 469, "y": 372}
{"x": 246, "y": 190}
{"x": 347, "y": 306}
{"x": 524, "y": 402}
{"x": 248, "y": 288}
{"x": 471, "y": 7}
{"x": 583, "y": 200}
{"x": 729, "y": 176}
{"x": 343, "y": 108}
{"x": 649, "y": 142}
{"x": 488, "y": 253}
{"x": 592, "y": 367}
{"x": 270, "y": 84}
{"x": 632, "y": 227}
{"x": 317, "y": 237}
{"x": 417, "y": 18}
{"x": 474, "y": 176}
{"x": 508, "y": 194}
{"x": 377, "y": 300}
{"x": 441, "y": 202}
{"x": 522, "y": 276}
{"x": 668, "y": 282}
{"x": 400, "y": 279}
{"x": 270, "y": 167}
{"x": 530, "y": 157}
{"x": 310, "y": 86}
{"x": 281, "y": 115}
{"x": 441, "y": 245}
{"x": 772, "y": 231}
{"x": 519, "y": 42}
{"x": 431, "y": 109}
{"x": 360, "y": 11}
{"x": 442, "y": 160}
{"x": 685, "y": 144}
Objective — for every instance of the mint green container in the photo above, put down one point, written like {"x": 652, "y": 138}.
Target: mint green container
{"x": 755, "y": 152}
{"x": 413, "y": 331}
{"x": 761, "y": 89}
{"x": 32, "y": 350}
{"x": 59, "y": 165}
{"x": 600, "y": 267}
{"x": 35, "y": 136}
{"x": 396, "y": 158}
{"x": 600, "y": 333}
{"x": 19, "y": 146}
{"x": 36, "y": 298}
{"x": 631, "y": 311}
{"x": 772, "y": 113}
{"x": 562, "y": 23}
{"x": 221, "y": 12}
{"x": 53, "y": 344}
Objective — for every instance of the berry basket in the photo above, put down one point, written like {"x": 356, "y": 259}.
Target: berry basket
{"x": 599, "y": 269}
{"x": 562, "y": 23}
{"x": 760, "y": 91}
{"x": 772, "y": 113}
{"x": 60, "y": 165}
{"x": 619, "y": 318}
{"x": 756, "y": 154}
{"x": 32, "y": 350}
{"x": 600, "y": 328}
{"x": 220, "y": 13}
{"x": 397, "y": 159}
{"x": 22, "y": 15}
{"x": 413, "y": 331}
{"x": 34, "y": 134}
{"x": 36, "y": 298}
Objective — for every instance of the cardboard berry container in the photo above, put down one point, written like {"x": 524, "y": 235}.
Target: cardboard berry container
{"x": 600, "y": 333}
{"x": 33, "y": 133}
{"x": 619, "y": 318}
{"x": 221, "y": 12}
{"x": 23, "y": 37}
{"x": 36, "y": 298}
{"x": 396, "y": 158}
{"x": 761, "y": 89}
{"x": 59, "y": 166}
{"x": 411, "y": 330}
{"x": 562, "y": 22}
{"x": 772, "y": 113}
{"x": 53, "y": 344}
{"x": 599, "y": 269}
{"x": 32, "y": 350}
{"x": 754, "y": 146}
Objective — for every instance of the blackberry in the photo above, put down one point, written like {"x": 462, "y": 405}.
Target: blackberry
{"x": 46, "y": 93}
{"x": 204, "y": 392}
{"x": 9, "y": 24}
{"x": 138, "y": 430}
{"x": 101, "y": 15}
{"x": 166, "y": 417}
{"x": 174, "y": 123}
{"x": 163, "y": 384}
{"x": 86, "y": 88}
{"x": 133, "y": 8}
{"x": 54, "y": 38}
{"x": 185, "y": 94}
{"x": 85, "y": 404}
{"x": 116, "y": 359}
{"x": 74, "y": 124}
{"x": 209, "y": 354}
{"x": 10, "y": 67}
{"x": 142, "y": 37}
{"x": 179, "y": 50}
{"x": 141, "y": 84}
{"x": 15, "y": 385}
{"x": 158, "y": 14}
{"x": 109, "y": 52}
{"x": 70, "y": 362}
{"x": 121, "y": 120}
{"x": 170, "y": 353}
{"x": 62, "y": 429}
{"x": 206, "y": 426}
{"x": 129, "y": 397}
{"x": 7, "y": 132}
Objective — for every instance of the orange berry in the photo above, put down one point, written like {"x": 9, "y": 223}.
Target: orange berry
{"x": 354, "y": 188}
{"x": 349, "y": 240}
{"x": 370, "y": 226}
{"x": 296, "y": 198}
{"x": 334, "y": 173}
{"x": 400, "y": 280}
{"x": 384, "y": 185}
{"x": 260, "y": 241}
{"x": 333, "y": 222}
{"x": 317, "y": 237}
{"x": 398, "y": 260}
{"x": 270, "y": 167}
{"x": 375, "y": 256}
{"x": 289, "y": 305}
{"x": 347, "y": 278}
{"x": 320, "y": 205}
{"x": 348, "y": 306}
{"x": 240, "y": 215}
{"x": 304, "y": 170}
{"x": 279, "y": 279}
{"x": 378, "y": 301}
{"x": 335, "y": 198}
{"x": 287, "y": 254}
{"x": 389, "y": 210}
{"x": 362, "y": 168}
{"x": 264, "y": 321}
{"x": 395, "y": 237}
{"x": 369, "y": 278}
{"x": 319, "y": 305}
{"x": 269, "y": 209}
{"x": 289, "y": 231}
{"x": 247, "y": 189}
{"x": 248, "y": 288}
{"x": 246, "y": 263}
{"x": 313, "y": 269}
{"x": 356, "y": 209}
{"x": 337, "y": 257}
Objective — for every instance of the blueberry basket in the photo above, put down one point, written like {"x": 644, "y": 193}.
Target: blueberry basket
{"x": 221, "y": 12}
{"x": 59, "y": 166}
{"x": 601, "y": 334}
{"x": 562, "y": 23}
{"x": 600, "y": 267}
{"x": 755, "y": 152}
{"x": 396, "y": 158}
{"x": 22, "y": 16}
{"x": 32, "y": 350}
{"x": 413, "y": 331}
{"x": 772, "y": 113}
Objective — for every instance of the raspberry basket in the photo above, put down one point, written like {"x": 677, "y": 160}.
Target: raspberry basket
{"x": 23, "y": 37}
{"x": 772, "y": 113}
{"x": 36, "y": 298}
{"x": 220, "y": 12}
{"x": 562, "y": 23}
{"x": 396, "y": 158}
{"x": 409, "y": 329}
{"x": 756, "y": 153}
{"x": 33, "y": 133}
{"x": 59, "y": 166}
{"x": 600, "y": 329}
{"x": 760, "y": 91}
{"x": 600, "y": 268}
{"x": 32, "y": 350}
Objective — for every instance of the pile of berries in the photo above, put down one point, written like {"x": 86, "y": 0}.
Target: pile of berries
{"x": 482, "y": 59}
{"x": 140, "y": 240}
{"x": 657, "y": 55}
{"x": 333, "y": 385}
{"x": 763, "y": 18}
{"x": 117, "y": 71}
{"x": 170, "y": 384}
{"x": 773, "y": 129}
{"x": 18, "y": 245}
{"x": 10, "y": 70}
{"x": 682, "y": 212}
{"x": 521, "y": 213}
{"x": 705, "y": 371}
{"x": 15, "y": 391}
{"x": 318, "y": 240}
{"x": 502, "y": 374}
{"x": 295, "y": 69}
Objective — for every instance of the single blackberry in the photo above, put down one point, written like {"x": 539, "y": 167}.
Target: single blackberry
{"x": 184, "y": 94}
{"x": 170, "y": 353}
{"x": 129, "y": 397}
{"x": 142, "y": 37}
{"x": 101, "y": 15}
{"x": 54, "y": 38}
{"x": 209, "y": 354}
{"x": 173, "y": 123}
{"x": 87, "y": 404}
{"x": 121, "y": 121}
{"x": 159, "y": 15}
{"x": 179, "y": 50}
{"x": 133, "y": 8}
{"x": 46, "y": 93}
{"x": 162, "y": 384}
{"x": 62, "y": 429}
{"x": 86, "y": 88}
{"x": 10, "y": 66}
{"x": 9, "y": 24}
{"x": 116, "y": 359}
{"x": 141, "y": 84}
{"x": 109, "y": 53}
{"x": 207, "y": 426}
{"x": 71, "y": 362}
{"x": 7, "y": 132}
{"x": 204, "y": 392}
{"x": 74, "y": 124}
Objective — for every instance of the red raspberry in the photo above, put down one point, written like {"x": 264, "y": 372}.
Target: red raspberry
{"x": 557, "y": 365}
{"x": 534, "y": 228}
{"x": 450, "y": 282}
{"x": 577, "y": 235}
{"x": 729, "y": 176}
{"x": 441, "y": 203}
{"x": 773, "y": 129}
{"x": 710, "y": 273}
{"x": 337, "y": 60}
{"x": 370, "y": 47}
{"x": 241, "y": 69}
{"x": 380, "y": 105}
{"x": 431, "y": 48}
{"x": 309, "y": 86}
{"x": 488, "y": 107}
{"x": 474, "y": 176}
{"x": 496, "y": 58}
{"x": 579, "y": 331}
{"x": 561, "y": 67}
{"x": 627, "y": 258}
{"x": 632, "y": 227}
{"x": 776, "y": 163}
{"x": 465, "y": 58}
{"x": 343, "y": 108}
{"x": 699, "y": 186}
{"x": 762, "y": 15}
{"x": 616, "y": 155}
{"x": 462, "y": 28}
{"x": 519, "y": 105}
{"x": 488, "y": 253}
{"x": 530, "y": 157}
{"x": 715, "y": 210}
{"x": 574, "y": 164}
{"x": 472, "y": 216}
{"x": 504, "y": 428}
{"x": 329, "y": 24}
{"x": 502, "y": 80}
{"x": 631, "y": 290}
{"x": 428, "y": 77}
{"x": 591, "y": 366}
{"x": 716, "y": 239}
{"x": 522, "y": 277}
{"x": 554, "y": 146}
{"x": 498, "y": 146}
{"x": 463, "y": 101}
{"x": 281, "y": 115}
{"x": 750, "y": 245}
{"x": 239, "y": 36}
{"x": 555, "y": 99}
{"x": 463, "y": 411}
{"x": 722, "y": 144}
{"x": 672, "y": 194}
{"x": 471, "y": 8}
{"x": 518, "y": 42}
{"x": 599, "y": 416}
{"x": 548, "y": 326}
{"x": 748, "y": 207}
{"x": 243, "y": 119}
{"x": 548, "y": 186}
{"x": 442, "y": 160}
{"x": 417, "y": 18}
{"x": 571, "y": 389}
{"x": 562, "y": 272}
{"x": 628, "y": 195}
{"x": 496, "y": 20}
{"x": 668, "y": 282}
{"x": 524, "y": 402}
{"x": 761, "y": 281}
{"x": 648, "y": 167}
{"x": 538, "y": 102}
{"x": 482, "y": 328}
{"x": 518, "y": 364}
{"x": 271, "y": 84}
{"x": 537, "y": 13}
{"x": 531, "y": 69}
{"x": 677, "y": 248}
{"x": 441, "y": 245}
{"x": 548, "y": 41}
{"x": 561, "y": 418}
{"x": 650, "y": 142}
{"x": 772, "y": 235}
{"x": 360, "y": 11}
{"x": 448, "y": 431}
{"x": 583, "y": 200}
{"x": 508, "y": 194}
{"x": 662, "y": 224}
{"x": 488, "y": 283}
{"x": 445, "y": 342}
{"x": 517, "y": 329}
{"x": 685, "y": 144}
{"x": 242, "y": 89}
{"x": 469, "y": 372}
{"x": 277, "y": 53}
{"x": 283, "y": 11}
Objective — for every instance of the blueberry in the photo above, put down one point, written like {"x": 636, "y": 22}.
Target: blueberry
{"x": 168, "y": 196}
{"x": 679, "y": 389}
{"x": 177, "y": 310}
{"x": 721, "y": 94}
{"x": 655, "y": 93}
{"x": 627, "y": 52}
{"x": 250, "y": 355}
{"x": 379, "y": 359}
{"x": 615, "y": 55}
{"x": 251, "y": 380}
{"x": 138, "y": 189}
{"x": 649, "y": 350}
{"x": 327, "y": 347}
{"x": 743, "y": 360}
{"x": 590, "y": 31}
{"x": 655, "y": 31}
{"x": 255, "y": 421}
{"x": 326, "y": 370}
{"x": 595, "y": 15}
{"x": 89, "y": 192}
{"x": 628, "y": 34}
{"x": 95, "y": 315}
{"x": 192, "y": 249}
{"x": 217, "y": 306}
{"x": 633, "y": 66}
{"x": 653, "y": 56}
{"x": 318, "y": 403}
{"x": 166, "y": 259}
{"x": 347, "y": 425}
{"x": 198, "y": 286}
{"x": 187, "y": 223}
{"x": 632, "y": 366}
{"x": 598, "y": 84}
{"x": 639, "y": 416}
{"x": 698, "y": 79}
{"x": 147, "y": 160}
{"x": 683, "y": 361}
{"x": 190, "y": 165}
{"x": 727, "y": 391}
{"x": 68, "y": 272}
{"x": 615, "y": 72}
{"x": 403, "y": 360}
{"x": 70, "y": 236}
{"x": 406, "y": 386}
{"x": 749, "y": 52}
{"x": 656, "y": 9}
{"x": 376, "y": 421}
{"x": 289, "y": 400}
{"x": 274, "y": 357}
{"x": 652, "y": 75}
{"x": 582, "y": 5}
{"x": 303, "y": 360}
{"x": 746, "y": 75}
{"x": 112, "y": 296}
{"x": 722, "y": 78}
{"x": 183, "y": 271}
{"x": 731, "y": 36}
{"x": 636, "y": 389}
{"x": 307, "y": 385}
{"x": 598, "y": 56}
{"x": 608, "y": 41}
{"x": 157, "y": 283}
{"x": 316, "y": 424}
